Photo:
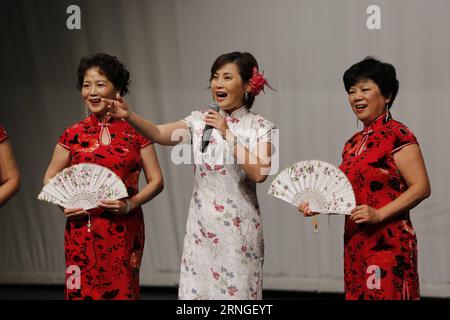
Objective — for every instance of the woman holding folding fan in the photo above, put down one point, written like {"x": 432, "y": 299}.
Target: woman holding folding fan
{"x": 385, "y": 166}
{"x": 106, "y": 243}
{"x": 9, "y": 173}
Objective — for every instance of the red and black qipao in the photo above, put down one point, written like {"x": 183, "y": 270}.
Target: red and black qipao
{"x": 110, "y": 255}
{"x": 369, "y": 164}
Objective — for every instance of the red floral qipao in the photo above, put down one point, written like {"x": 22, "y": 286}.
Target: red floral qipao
{"x": 3, "y": 135}
{"x": 390, "y": 246}
{"x": 109, "y": 256}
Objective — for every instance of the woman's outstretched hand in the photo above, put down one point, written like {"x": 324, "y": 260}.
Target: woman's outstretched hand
{"x": 117, "y": 108}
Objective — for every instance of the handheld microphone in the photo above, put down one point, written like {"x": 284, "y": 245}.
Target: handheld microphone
{"x": 208, "y": 129}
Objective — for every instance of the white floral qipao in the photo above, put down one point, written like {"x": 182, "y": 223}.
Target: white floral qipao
{"x": 223, "y": 249}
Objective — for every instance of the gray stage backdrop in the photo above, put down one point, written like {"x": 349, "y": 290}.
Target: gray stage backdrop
{"x": 303, "y": 46}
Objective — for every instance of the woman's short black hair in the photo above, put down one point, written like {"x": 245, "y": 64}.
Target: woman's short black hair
{"x": 382, "y": 73}
{"x": 109, "y": 66}
{"x": 245, "y": 62}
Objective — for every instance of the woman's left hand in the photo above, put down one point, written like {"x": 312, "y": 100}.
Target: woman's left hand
{"x": 217, "y": 121}
{"x": 366, "y": 214}
{"x": 121, "y": 206}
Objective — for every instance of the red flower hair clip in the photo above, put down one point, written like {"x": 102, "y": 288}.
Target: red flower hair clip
{"x": 257, "y": 83}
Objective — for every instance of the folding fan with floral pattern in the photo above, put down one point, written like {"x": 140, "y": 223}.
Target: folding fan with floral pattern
{"x": 323, "y": 185}
{"x": 83, "y": 186}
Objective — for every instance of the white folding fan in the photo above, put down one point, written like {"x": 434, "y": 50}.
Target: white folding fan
{"x": 324, "y": 186}
{"x": 83, "y": 186}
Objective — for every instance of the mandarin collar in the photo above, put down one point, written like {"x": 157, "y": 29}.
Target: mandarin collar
{"x": 107, "y": 119}
{"x": 236, "y": 114}
{"x": 378, "y": 123}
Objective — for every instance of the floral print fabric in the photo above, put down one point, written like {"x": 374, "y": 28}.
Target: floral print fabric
{"x": 223, "y": 249}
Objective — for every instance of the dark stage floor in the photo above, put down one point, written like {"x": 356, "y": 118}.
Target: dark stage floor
{"x": 55, "y": 292}
{"x": 47, "y": 292}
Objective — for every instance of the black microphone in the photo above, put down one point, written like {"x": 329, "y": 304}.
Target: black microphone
{"x": 208, "y": 129}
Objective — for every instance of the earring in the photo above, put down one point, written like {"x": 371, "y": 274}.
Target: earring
{"x": 86, "y": 111}
{"x": 357, "y": 123}
{"x": 245, "y": 96}
{"x": 387, "y": 113}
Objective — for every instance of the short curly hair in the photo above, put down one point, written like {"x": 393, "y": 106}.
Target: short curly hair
{"x": 382, "y": 73}
{"x": 109, "y": 66}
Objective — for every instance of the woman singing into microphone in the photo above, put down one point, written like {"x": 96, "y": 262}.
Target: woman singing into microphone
{"x": 223, "y": 245}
